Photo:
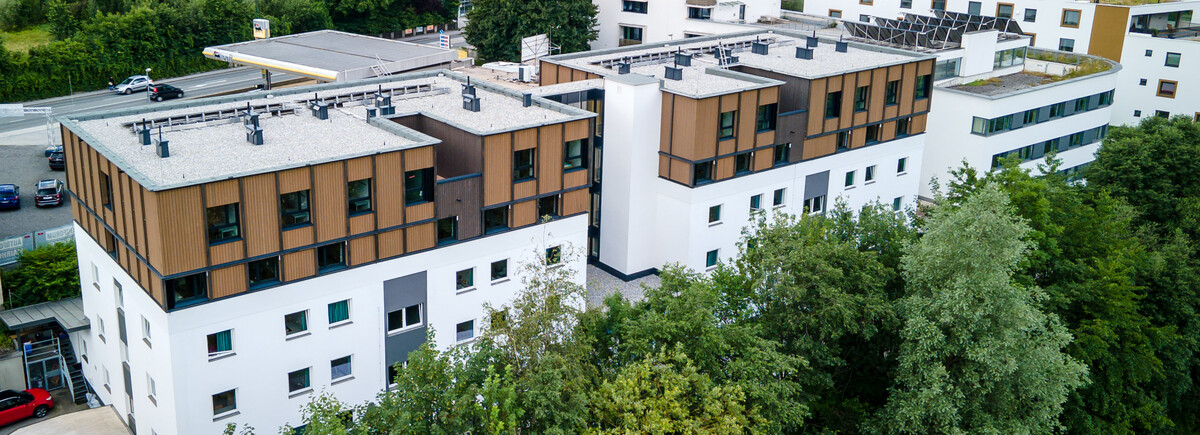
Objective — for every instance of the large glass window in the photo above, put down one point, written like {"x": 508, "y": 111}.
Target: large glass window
{"x": 547, "y": 206}
{"x": 331, "y": 257}
{"x": 263, "y": 272}
{"x": 891, "y": 93}
{"x": 223, "y": 223}
{"x": 418, "y": 186}
{"x": 495, "y": 219}
{"x": 630, "y": 36}
{"x": 359, "y": 192}
{"x": 921, "y": 90}
{"x": 523, "y": 161}
{"x": 945, "y": 69}
{"x": 765, "y": 119}
{"x": 725, "y": 124}
{"x": 860, "y": 98}
{"x": 187, "y": 290}
{"x": 699, "y": 13}
{"x": 293, "y": 209}
{"x": 573, "y": 152}
{"x": 833, "y": 104}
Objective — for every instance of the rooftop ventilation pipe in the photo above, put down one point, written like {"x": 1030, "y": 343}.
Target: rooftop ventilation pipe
{"x": 804, "y": 53}
{"x": 674, "y": 73}
{"x": 527, "y": 100}
{"x": 841, "y": 46}
{"x": 759, "y": 48}
{"x": 144, "y": 132}
{"x": 161, "y": 146}
{"x": 622, "y": 68}
{"x": 320, "y": 109}
{"x": 384, "y": 103}
{"x": 254, "y": 132}
{"x": 470, "y": 100}
{"x": 682, "y": 59}
{"x": 811, "y": 41}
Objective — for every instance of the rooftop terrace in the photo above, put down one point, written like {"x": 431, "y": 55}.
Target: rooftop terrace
{"x": 207, "y": 138}
{"x": 1040, "y": 68}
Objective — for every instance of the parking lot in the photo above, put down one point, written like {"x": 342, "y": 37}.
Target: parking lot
{"x": 25, "y": 166}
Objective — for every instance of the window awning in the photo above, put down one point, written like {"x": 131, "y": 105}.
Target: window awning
{"x": 67, "y": 312}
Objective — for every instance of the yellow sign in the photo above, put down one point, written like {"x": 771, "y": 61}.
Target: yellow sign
{"x": 262, "y": 28}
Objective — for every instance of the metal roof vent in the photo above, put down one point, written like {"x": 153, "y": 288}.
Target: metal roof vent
{"x": 804, "y": 53}
{"x": 254, "y": 132}
{"x": 161, "y": 146}
{"x": 143, "y": 132}
{"x": 320, "y": 109}
{"x": 622, "y": 68}
{"x": 527, "y": 100}
{"x": 810, "y": 41}
{"x": 674, "y": 73}
{"x": 842, "y": 46}
{"x": 683, "y": 59}
{"x": 759, "y": 48}
{"x": 470, "y": 101}
{"x": 384, "y": 103}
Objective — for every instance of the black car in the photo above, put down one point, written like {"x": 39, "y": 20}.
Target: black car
{"x": 163, "y": 91}
{"x": 57, "y": 161}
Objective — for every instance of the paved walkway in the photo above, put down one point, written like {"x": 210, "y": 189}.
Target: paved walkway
{"x": 62, "y": 407}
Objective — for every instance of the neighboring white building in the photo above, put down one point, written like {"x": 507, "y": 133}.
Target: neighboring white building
{"x": 629, "y": 22}
{"x": 229, "y": 282}
{"x": 688, "y": 160}
{"x": 1154, "y": 41}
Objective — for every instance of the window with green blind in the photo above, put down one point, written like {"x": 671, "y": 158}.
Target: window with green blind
{"x": 339, "y": 311}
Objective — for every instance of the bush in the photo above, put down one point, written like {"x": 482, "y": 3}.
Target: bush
{"x": 48, "y": 273}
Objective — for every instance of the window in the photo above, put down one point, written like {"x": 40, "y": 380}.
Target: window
{"x": 921, "y": 90}
{"x": 1056, "y": 110}
{"x": 843, "y": 140}
{"x": 298, "y": 380}
{"x": 905, "y": 4}
{"x": 1142, "y": 82}
{"x": 1004, "y": 10}
{"x": 331, "y": 257}
{"x": 523, "y": 161}
{"x": 222, "y": 223}
{"x": 777, "y": 197}
{"x": 1106, "y": 98}
{"x": 711, "y": 258}
{"x": 295, "y": 323}
{"x": 781, "y": 154}
{"x": 938, "y": 5}
{"x": 833, "y": 104}
{"x": 464, "y": 331}
{"x": 499, "y": 270}
{"x": 756, "y": 202}
{"x": 1081, "y": 104}
{"x": 1030, "y": 15}
{"x": 849, "y": 178}
{"x": 725, "y": 125}
{"x": 359, "y": 192}
{"x": 293, "y": 209}
{"x": 699, "y": 13}
{"x": 464, "y": 279}
{"x": 187, "y": 290}
{"x": 1066, "y": 44}
{"x": 106, "y": 381}
{"x": 106, "y": 190}
{"x": 101, "y": 319}
{"x": 902, "y": 165}
{"x": 815, "y": 204}
{"x": 891, "y": 92}
{"x": 765, "y": 119}
{"x": 869, "y": 175}
{"x": 110, "y": 244}
{"x": 1166, "y": 88}
{"x": 864, "y": 18}
{"x": 146, "y": 329}
{"x": 834, "y": 13}
{"x": 741, "y": 164}
{"x": 872, "y": 134}
{"x": 447, "y": 229}
{"x": 1070, "y": 18}
{"x": 547, "y": 206}
{"x": 340, "y": 368}
{"x": 630, "y": 36}
{"x": 418, "y": 186}
{"x": 263, "y": 272}
{"x": 902, "y": 127}
{"x": 1030, "y": 117}
{"x": 118, "y": 294}
{"x": 714, "y": 214}
{"x": 1137, "y": 113}
{"x": 220, "y": 344}
{"x": 224, "y": 402}
{"x": 866, "y": 2}
{"x": 495, "y": 219}
{"x": 973, "y": 8}
{"x": 339, "y": 312}
{"x": 897, "y": 202}
{"x": 1149, "y": 53}
{"x": 702, "y": 172}
{"x": 1162, "y": 113}
{"x": 1173, "y": 60}
{"x": 860, "y": 98}
{"x": 632, "y": 6}
{"x": 553, "y": 255}
{"x": 404, "y": 318}
{"x": 573, "y": 151}
{"x": 151, "y": 388}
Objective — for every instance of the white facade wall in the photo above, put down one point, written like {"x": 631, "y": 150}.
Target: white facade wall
{"x": 186, "y": 379}
{"x": 668, "y": 20}
{"x": 1132, "y": 95}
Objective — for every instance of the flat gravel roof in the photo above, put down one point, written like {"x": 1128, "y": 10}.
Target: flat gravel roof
{"x": 339, "y": 51}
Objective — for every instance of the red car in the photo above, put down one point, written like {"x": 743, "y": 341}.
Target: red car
{"x": 16, "y": 406}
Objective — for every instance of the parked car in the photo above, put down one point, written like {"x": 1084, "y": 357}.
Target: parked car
{"x": 10, "y": 196}
{"x": 163, "y": 91}
{"x": 57, "y": 160}
{"x": 16, "y": 406}
{"x": 49, "y": 192}
{"x": 133, "y": 84}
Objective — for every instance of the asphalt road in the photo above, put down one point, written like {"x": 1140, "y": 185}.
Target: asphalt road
{"x": 25, "y": 166}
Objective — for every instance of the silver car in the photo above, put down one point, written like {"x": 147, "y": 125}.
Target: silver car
{"x": 132, "y": 84}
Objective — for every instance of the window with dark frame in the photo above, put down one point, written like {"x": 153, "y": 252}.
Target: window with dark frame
{"x": 495, "y": 219}
{"x": 106, "y": 196}
{"x": 404, "y": 318}
{"x": 902, "y": 165}
{"x": 633, "y": 6}
{"x": 523, "y": 162}
{"x": 725, "y": 124}
{"x": 766, "y": 117}
{"x": 1030, "y": 15}
{"x": 872, "y": 134}
{"x": 187, "y": 290}
{"x": 711, "y": 258}
{"x": 1066, "y": 44}
{"x": 1162, "y": 113}
{"x": 777, "y": 197}
{"x": 293, "y": 209}
{"x": 833, "y": 104}
{"x": 464, "y": 279}
{"x": 780, "y": 156}
{"x": 843, "y": 140}
{"x": 573, "y": 152}
{"x": 630, "y": 35}
{"x": 499, "y": 270}
{"x": 891, "y": 93}
{"x": 714, "y": 214}
{"x": 331, "y": 257}
{"x": 224, "y": 402}
{"x": 223, "y": 223}
{"x": 1173, "y": 60}
{"x": 547, "y": 206}
{"x": 902, "y": 126}
{"x": 974, "y": 8}
{"x": 464, "y": 331}
{"x": 699, "y": 13}
{"x": 110, "y": 243}
{"x": 702, "y": 172}
{"x": 447, "y": 229}
{"x": 905, "y": 4}
{"x": 938, "y": 5}
{"x": 359, "y": 194}
{"x": 295, "y": 323}
{"x": 553, "y": 255}
{"x": 860, "y": 98}
{"x": 298, "y": 380}
{"x": 741, "y": 164}
{"x": 263, "y": 272}
{"x": 921, "y": 90}
{"x": 418, "y": 186}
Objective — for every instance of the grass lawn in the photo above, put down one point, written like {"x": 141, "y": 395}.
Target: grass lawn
{"x": 23, "y": 40}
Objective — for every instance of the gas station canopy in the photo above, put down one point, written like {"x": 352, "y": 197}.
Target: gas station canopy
{"x": 333, "y": 56}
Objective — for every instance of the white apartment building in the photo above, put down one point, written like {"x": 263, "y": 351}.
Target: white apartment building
{"x": 265, "y": 249}
{"x": 1152, "y": 40}
{"x": 630, "y": 22}
{"x": 701, "y": 135}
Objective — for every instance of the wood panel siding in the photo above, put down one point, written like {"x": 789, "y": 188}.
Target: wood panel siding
{"x": 221, "y": 193}
{"x": 918, "y": 124}
{"x": 228, "y": 281}
{"x": 360, "y": 168}
{"x": 524, "y": 213}
{"x": 706, "y": 125}
{"x": 550, "y": 158}
{"x": 389, "y": 184}
{"x": 747, "y": 116}
{"x": 295, "y": 180}
{"x": 524, "y": 190}
{"x": 297, "y": 237}
{"x": 362, "y": 250}
{"x": 420, "y": 212}
{"x": 575, "y": 178}
{"x": 575, "y": 202}
{"x": 391, "y": 244}
{"x": 908, "y": 80}
{"x": 185, "y": 230}
{"x": 261, "y": 210}
{"x": 362, "y": 223}
{"x": 299, "y": 264}
{"x": 683, "y": 128}
{"x": 665, "y": 129}
{"x": 328, "y": 200}
{"x": 462, "y": 198}
{"x": 418, "y": 158}
{"x": 724, "y": 169}
{"x": 497, "y": 169}
{"x": 226, "y": 252}
{"x": 525, "y": 139}
{"x": 420, "y": 237}
{"x": 577, "y": 130}
{"x": 763, "y": 159}
{"x": 458, "y": 154}
{"x": 681, "y": 172}
{"x": 820, "y": 146}
{"x": 1108, "y": 31}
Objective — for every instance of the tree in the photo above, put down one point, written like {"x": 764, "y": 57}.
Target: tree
{"x": 978, "y": 355}
{"x": 495, "y": 27}
{"x": 63, "y": 23}
{"x": 47, "y": 273}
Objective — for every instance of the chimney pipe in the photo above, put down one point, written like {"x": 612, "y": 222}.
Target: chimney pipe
{"x": 161, "y": 146}
{"x": 527, "y": 100}
{"x": 804, "y": 53}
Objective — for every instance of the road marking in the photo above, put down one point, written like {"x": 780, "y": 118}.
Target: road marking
{"x": 209, "y": 83}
